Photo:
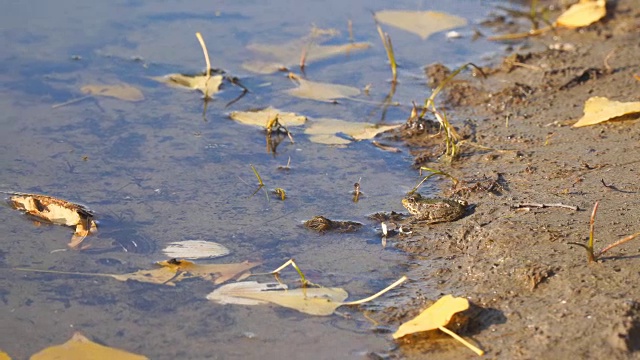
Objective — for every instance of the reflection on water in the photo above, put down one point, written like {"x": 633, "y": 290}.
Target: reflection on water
{"x": 157, "y": 171}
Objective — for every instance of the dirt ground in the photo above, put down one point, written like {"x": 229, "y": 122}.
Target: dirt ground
{"x": 534, "y": 295}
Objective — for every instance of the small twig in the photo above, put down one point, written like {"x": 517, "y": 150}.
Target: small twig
{"x": 536, "y": 205}
{"x": 72, "y": 101}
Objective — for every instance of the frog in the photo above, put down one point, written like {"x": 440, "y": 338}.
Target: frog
{"x": 434, "y": 210}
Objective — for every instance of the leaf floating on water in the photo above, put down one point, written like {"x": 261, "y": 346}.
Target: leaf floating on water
{"x": 120, "y": 91}
{"x": 582, "y": 14}
{"x": 437, "y": 316}
{"x": 57, "y": 211}
{"x": 166, "y": 275}
{"x": 81, "y": 348}
{"x": 288, "y": 54}
{"x": 600, "y": 109}
{"x": 195, "y": 249}
{"x": 4, "y": 356}
{"x": 421, "y": 23}
{"x": 320, "y": 91}
{"x": 234, "y": 293}
{"x": 262, "y": 117}
{"x": 325, "y": 130}
{"x": 206, "y": 85}
{"x": 313, "y": 301}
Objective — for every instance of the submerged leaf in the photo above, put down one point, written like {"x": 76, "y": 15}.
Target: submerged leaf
{"x": 57, "y": 211}
{"x": 262, "y": 117}
{"x": 81, "y": 348}
{"x": 582, "y": 14}
{"x": 218, "y": 273}
{"x": 437, "y": 315}
{"x": 421, "y": 23}
{"x": 288, "y": 54}
{"x": 320, "y": 91}
{"x": 325, "y": 130}
{"x": 208, "y": 86}
{"x": 600, "y": 109}
{"x": 120, "y": 91}
{"x": 195, "y": 249}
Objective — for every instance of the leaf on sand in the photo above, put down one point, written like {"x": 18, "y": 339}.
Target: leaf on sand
{"x": 195, "y": 249}
{"x": 582, "y": 14}
{"x": 120, "y": 91}
{"x": 57, "y": 211}
{"x": 208, "y": 86}
{"x": 233, "y": 293}
{"x": 313, "y": 301}
{"x": 324, "y": 131}
{"x": 288, "y": 54}
{"x": 262, "y": 117}
{"x": 320, "y": 91}
{"x": 600, "y": 109}
{"x": 435, "y": 317}
{"x": 81, "y": 348}
{"x": 421, "y": 23}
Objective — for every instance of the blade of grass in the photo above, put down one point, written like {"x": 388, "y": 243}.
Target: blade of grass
{"x": 386, "y": 42}
{"x": 379, "y": 293}
{"x": 206, "y": 59}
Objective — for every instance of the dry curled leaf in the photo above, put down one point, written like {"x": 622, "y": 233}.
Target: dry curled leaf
{"x": 600, "y": 109}
{"x": 81, "y": 348}
{"x": 57, "y": 211}
{"x": 421, "y": 23}
{"x": 120, "y": 91}
{"x": 582, "y": 14}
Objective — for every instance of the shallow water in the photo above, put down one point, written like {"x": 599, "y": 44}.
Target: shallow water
{"x": 158, "y": 170}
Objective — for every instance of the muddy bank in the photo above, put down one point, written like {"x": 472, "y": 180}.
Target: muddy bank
{"x": 536, "y": 296}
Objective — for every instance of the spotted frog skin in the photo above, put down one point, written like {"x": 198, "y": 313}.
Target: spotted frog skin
{"x": 433, "y": 210}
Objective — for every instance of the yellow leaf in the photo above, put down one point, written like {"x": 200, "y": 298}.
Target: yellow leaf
{"x": 582, "y": 14}
{"x": 436, "y": 315}
{"x": 599, "y": 109}
{"x": 320, "y": 91}
{"x": 324, "y": 131}
{"x": 4, "y": 356}
{"x": 262, "y": 117}
{"x": 421, "y": 23}
{"x": 208, "y": 86}
{"x": 81, "y": 348}
{"x": 120, "y": 91}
